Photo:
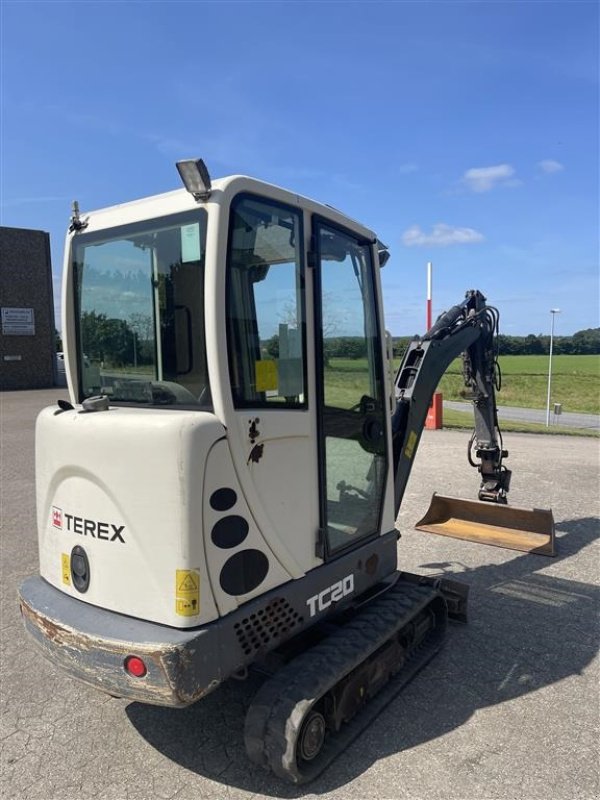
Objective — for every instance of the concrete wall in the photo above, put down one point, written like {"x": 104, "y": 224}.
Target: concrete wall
{"x": 27, "y": 361}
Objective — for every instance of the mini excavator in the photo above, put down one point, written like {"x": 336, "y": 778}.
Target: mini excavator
{"x": 221, "y": 491}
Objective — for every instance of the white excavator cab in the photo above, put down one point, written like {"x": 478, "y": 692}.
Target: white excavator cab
{"x": 215, "y": 433}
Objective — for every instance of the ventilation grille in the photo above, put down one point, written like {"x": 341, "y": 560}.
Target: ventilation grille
{"x": 273, "y": 621}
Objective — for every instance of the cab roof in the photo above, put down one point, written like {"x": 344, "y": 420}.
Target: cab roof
{"x": 222, "y": 189}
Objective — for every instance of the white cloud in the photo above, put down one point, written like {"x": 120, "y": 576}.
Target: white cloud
{"x": 549, "y": 165}
{"x": 441, "y": 235}
{"x": 483, "y": 179}
{"x": 406, "y": 169}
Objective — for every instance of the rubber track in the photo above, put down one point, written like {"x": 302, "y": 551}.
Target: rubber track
{"x": 275, "y": 716}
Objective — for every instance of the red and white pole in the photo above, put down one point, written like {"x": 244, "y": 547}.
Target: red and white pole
{"x": 435, "y": 415}
{"x": 428, "y": 321}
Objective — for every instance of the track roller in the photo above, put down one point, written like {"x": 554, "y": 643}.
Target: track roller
{"x": 318, "y": 703}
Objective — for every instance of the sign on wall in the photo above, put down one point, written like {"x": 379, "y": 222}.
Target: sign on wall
{"x": 18, "y": 322}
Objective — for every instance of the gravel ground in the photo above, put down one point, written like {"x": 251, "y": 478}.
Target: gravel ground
{"x": 509, "y": 709}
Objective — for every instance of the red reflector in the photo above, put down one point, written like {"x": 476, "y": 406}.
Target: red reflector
{"x": 135, "y": 666}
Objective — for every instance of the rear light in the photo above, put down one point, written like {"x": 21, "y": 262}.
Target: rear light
{"x": 135, "y": 666}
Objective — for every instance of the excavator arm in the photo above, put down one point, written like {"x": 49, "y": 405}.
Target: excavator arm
{"x": 469, "y": 328}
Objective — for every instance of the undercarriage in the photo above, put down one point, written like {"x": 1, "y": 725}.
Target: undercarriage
{"x": 310, "y": 709}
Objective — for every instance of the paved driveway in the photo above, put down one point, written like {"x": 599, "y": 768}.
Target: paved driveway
{"x": 567, "y": 419}
{"x": 509, "y": 709}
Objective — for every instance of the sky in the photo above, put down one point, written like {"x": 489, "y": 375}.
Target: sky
{"x": 465, "y": 134}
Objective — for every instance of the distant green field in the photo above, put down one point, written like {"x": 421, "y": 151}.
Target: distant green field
{"x": 561, "y": 365}
{"x": 346, "y": 381}
{"x": 575, "y": 382}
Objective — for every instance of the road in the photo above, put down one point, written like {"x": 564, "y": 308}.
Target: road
{"x": 508, "y": 710}
{"x": 568, "y": 419}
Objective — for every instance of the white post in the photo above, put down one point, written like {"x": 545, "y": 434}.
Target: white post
{"x": 428, "y": 319}
{"x": 553, "y": 312}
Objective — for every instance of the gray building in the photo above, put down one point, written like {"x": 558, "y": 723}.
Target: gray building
{"x": 27, "y": 346}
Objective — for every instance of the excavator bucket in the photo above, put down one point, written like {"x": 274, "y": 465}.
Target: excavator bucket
{"x": 531, "y": 531}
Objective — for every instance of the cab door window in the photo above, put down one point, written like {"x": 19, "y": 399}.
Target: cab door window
{"x": 350, "y": 389}
{"x": 265, "y": 305}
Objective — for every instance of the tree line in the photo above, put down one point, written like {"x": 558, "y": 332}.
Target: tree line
{"x": 333, "y": 346}
{"x": 583, "y": 343}
{"x": 126, "y": 343}
{"x": 117, "y": 342}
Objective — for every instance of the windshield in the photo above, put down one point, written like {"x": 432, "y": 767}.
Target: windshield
{"x": 140, "y": 321}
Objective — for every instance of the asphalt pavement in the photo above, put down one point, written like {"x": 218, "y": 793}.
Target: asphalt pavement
{"x": 508, "y": 710}
{"x": 566, "y": 419}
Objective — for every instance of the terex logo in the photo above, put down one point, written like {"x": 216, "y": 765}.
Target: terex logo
{"x": 332, "y": 594}
{"x": 87, "y": 527}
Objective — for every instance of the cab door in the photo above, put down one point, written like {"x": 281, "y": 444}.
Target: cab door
{"x": 351, "y": 408}
{"x": 272, "y": 430}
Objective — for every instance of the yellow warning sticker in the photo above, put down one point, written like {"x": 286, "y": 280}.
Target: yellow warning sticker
{"x": 410, "y": 444}
{"x": 266, "y": 376}
{"x": 66, "y": 568}
{"x": 187, "y": 592}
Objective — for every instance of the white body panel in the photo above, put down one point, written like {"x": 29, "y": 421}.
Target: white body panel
{"x": 220, "y": 474}
{"x": 284, "y": 484}
{"x": 154, "y": 471}
{"x": 141, "y": 469}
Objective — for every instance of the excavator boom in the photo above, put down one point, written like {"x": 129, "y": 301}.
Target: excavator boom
{"x": 470, "y": 329}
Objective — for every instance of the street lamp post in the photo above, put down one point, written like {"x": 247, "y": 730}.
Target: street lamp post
{"x": 553, "y": 312}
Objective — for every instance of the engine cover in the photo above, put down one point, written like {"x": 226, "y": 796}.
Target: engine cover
{"x": 121, "y": 499}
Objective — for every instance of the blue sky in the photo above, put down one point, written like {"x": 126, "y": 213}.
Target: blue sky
{"x": 462, "y": 133}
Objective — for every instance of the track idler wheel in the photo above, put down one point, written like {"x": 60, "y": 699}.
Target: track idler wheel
{"x": 312, "y": 736}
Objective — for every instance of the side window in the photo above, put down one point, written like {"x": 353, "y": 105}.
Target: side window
{"x": 265, "y": 305}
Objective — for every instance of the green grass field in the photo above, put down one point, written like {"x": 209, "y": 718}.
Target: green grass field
{"x": 575, "y": 382}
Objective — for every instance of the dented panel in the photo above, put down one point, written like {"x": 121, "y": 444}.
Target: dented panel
{"x": 91, "y": 643}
